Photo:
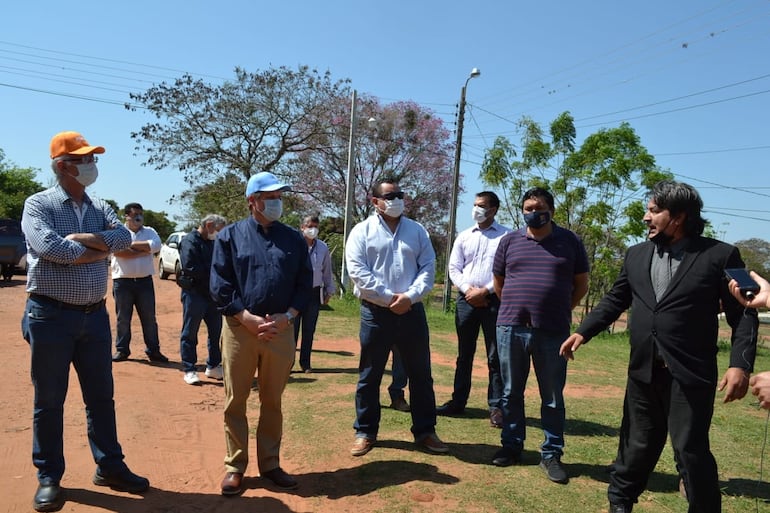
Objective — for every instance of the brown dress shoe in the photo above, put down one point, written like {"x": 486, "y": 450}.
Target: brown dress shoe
{"x": 361, "y": 446}
{"x": 280, "y": 478}
{"x": 232, "y": 484}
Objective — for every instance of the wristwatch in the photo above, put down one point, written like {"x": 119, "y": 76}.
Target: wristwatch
{"x": 289, "y": 317}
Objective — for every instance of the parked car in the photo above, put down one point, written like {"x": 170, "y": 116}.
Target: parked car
{"x": 168, "y": 261}
{"x": 13, "y": 248}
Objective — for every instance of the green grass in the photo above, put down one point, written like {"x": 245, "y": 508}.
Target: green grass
{"x": 319, "y": 414}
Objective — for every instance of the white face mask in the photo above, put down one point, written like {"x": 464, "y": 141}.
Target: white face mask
{"x": 310, "y": 233}
{"x": 394, "y": 207}
{"x": 479, "y": 214}
{"x": 87, "y": 174}
{"x": 273, "y": 209}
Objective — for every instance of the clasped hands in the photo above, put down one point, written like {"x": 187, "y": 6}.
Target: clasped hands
{"x": 265, "y": 328}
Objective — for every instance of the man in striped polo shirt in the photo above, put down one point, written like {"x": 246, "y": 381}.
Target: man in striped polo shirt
{"x": 540, "y": 274}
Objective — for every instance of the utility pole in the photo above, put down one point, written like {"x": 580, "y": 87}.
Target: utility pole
{"x": 349, "y": 188}
{"x": 455, "y": 190}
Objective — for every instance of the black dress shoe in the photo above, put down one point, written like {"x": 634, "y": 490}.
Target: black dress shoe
{"x": 48, "y": 498}
{"x": 232, "y": 484}
{"x": 506, "y": 457}
{"x": 119, "y": 356}
{"x": 450, "y": 408}
{"x": 280, "y": 478}
{"x": 123, "y": 481}
{"x": 157, "y": 356}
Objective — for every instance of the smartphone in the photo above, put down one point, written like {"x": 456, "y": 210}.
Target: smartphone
{"x": 747, "y": 285}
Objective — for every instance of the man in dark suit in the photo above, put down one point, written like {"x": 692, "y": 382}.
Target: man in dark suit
{"x": 675, "y": 285}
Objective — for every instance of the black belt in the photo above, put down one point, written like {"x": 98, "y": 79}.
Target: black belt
{"x": 372, "y": 305}
{"x": 136, "y": 279}
{"x": 68, "y": 306}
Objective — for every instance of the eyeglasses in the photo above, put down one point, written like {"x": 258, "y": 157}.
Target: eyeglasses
{"x": 390, "y": 196}
{"x": 85, "y": 159}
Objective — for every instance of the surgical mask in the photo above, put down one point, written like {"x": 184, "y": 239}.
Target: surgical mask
{"x": 394, "y": 207}
{"x": 87, "y": 174}
{"x": 273, "y": 209}
{"x": 537, "y": 219}
{"x": 213, "y": 235}
{"x": 479, "y": 214}
{"x": 310, "y": 233}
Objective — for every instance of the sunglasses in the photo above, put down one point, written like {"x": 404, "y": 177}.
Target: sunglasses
{"x": 390, "y": 196}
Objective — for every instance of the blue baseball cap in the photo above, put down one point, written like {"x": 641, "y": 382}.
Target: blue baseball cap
{"x": 264, "y": 182}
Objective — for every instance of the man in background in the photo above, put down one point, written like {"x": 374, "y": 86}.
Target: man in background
{"x": 323, "y": 290}
{"x": 470, "y": 269}
{"x": 132, "y": 287}
{"x": 195, "y": 252}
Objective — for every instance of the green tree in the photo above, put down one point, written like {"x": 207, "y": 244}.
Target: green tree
{"x": 17, "y": 185}
{"x": 240, "y": 127}
{"x": 402, "y": 140}
{"x": 598, "y": 187}
{"x": 756, "y": 255}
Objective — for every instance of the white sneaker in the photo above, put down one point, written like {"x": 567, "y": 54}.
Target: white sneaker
{"x": 191, "y": 378}
{"x": 215, "y": 372}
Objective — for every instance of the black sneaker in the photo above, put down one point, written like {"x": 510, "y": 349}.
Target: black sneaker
{"x": 506, "y": 457}
{"x": 554, "y": 469}
{"x": 450, "y": 408}
{"x": 119, "y": 356}
{"x": 157, "y": 356}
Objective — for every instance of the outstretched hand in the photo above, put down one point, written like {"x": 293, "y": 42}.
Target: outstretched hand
{"x": 569, "y": 346}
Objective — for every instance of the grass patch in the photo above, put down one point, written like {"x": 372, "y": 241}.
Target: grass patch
{"x": 319, "y": 414}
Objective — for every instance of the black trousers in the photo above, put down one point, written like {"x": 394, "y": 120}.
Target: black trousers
{"x": 650, "y": 412}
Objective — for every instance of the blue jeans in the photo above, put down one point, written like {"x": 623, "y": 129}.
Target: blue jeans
{"x": 59, "y": 338}
{"x": 468, "y": 321}
{"x": 398, "y": 384}
{"x": 128, "y": 293}
{"x": 197, "y": 308}
{"x": 515, "y": 345}
{"x": 380, "y": 330}
{"x": 308, "y": 319}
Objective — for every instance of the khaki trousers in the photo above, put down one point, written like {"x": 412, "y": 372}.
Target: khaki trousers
{"x": 242, "y": 356}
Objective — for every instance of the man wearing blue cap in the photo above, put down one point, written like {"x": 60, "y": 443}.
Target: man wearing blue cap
{"x": 261, "y": 278}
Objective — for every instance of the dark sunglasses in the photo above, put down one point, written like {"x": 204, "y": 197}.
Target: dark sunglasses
{"x": 390, "y": 196}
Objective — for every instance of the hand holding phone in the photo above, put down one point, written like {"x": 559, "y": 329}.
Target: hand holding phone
{"x": 746, "y": 284}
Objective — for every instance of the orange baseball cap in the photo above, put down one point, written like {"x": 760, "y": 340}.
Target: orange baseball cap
{"x": 72, "y": 143}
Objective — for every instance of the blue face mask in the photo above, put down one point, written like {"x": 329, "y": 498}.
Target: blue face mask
{"x": 537, "y": 219}
{"x": 273, "y": 209}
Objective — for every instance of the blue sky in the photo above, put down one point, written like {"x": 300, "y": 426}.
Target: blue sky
{"x": 691, "y": 77}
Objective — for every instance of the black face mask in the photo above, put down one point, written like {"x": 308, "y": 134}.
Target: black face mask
{"x": 537, "y": 219}
{"x": 662, "y": 238}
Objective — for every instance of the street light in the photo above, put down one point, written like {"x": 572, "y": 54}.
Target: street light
{"x": 455, "y": 189}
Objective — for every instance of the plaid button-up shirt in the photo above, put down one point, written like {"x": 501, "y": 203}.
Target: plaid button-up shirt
{"x": 49, "y": 216}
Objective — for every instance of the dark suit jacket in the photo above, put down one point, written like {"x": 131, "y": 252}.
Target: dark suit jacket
{"x": 684, "y": 324}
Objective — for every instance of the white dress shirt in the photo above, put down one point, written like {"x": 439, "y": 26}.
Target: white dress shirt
{"x": 473, "y": 253}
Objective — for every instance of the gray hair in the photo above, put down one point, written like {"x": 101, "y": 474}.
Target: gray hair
{"x": 213, "y": 218}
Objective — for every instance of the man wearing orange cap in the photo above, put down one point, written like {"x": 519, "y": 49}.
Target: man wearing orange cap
{"x": 69, "y": 238}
